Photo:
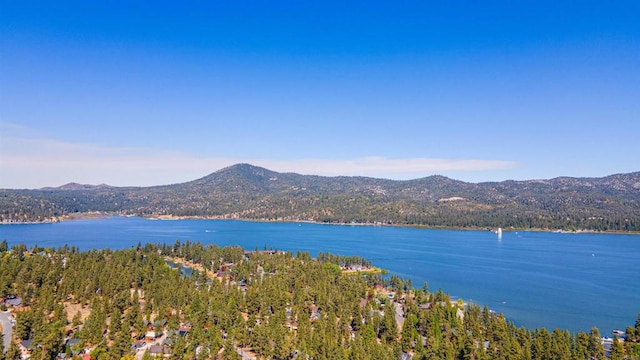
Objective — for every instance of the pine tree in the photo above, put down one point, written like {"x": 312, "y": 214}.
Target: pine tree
{"x": 121, "y": 345}
{"x": 13, "y": 352}
{"x": 408, "y": 330}
{"x": 77, "y": 320}
{"x": 230, "y": 352}
{"x": 389, "y": 325}
{"x": 580, "y": 349}
{"x": 617, "y": 349}
{"x": 134, "y": 317}
{"x": 595, "y": 348}
{"x": 94, "y": 325}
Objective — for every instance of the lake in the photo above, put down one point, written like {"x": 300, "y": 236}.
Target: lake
{"x": 537, "y": 279}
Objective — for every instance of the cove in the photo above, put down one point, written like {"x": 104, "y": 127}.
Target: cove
{"x": 537, "y": 279}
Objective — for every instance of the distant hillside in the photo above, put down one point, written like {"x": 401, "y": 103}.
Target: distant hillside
{"x": 76, "y": 186}
{"x": 244, "y": 191}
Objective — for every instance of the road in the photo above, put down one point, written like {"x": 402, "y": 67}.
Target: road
{"x": 399, "y": 315}
{"x": 7, "y": 328}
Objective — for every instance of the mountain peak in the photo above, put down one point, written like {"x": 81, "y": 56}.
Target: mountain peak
{"x": 245, "y": 170}
{"x": 238, "y": 174}
{"x": 243, "y": 167}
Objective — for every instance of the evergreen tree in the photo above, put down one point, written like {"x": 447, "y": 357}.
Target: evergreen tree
{"x": 561, "y": 345}
{"x": 121, "y": 345}
{"x": 617, "y": 349}
{"x": 389, "y": 326}
{"x": 595, "y": 348}
{"x": 580, "y": 350}
{"x": 229, "y": 352}
{"x": 134, "y": 319}
{"x": 408, "y": 335}
{"x": 13, "y": 352}
{"x": 77, "y": 320}
{"x": 94, "y": 325}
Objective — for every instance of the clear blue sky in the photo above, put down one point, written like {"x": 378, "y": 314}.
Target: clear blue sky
{"x": 143, "y": 93}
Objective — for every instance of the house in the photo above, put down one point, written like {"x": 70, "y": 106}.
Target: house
{"x": 159, "y": 350}
{"x": 242, "y": 284}
{"x": 72, "y": 342}
{"x": 184, "y": 328}
{"x": 428, "y": 306}
{"x": 73, "y": 345}
{"x": 406, "y": 356}
{"x": 13, "y": 301}
{"x": 24, "y": 347}
{"x": 138, "y": 344}
{"x": 607, "y": 344}
{"x": 226, "y": 266}
{"x": 315, "y": 313}
{"x": 151, "y": 335}
{"x": 264, "y": 252}
{"x": 155, "y": 350}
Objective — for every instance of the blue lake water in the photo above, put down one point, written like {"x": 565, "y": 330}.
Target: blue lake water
{"x": 537, "y": 279}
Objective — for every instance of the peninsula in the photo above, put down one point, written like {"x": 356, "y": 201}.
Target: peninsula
{"x": 237, "y": 304}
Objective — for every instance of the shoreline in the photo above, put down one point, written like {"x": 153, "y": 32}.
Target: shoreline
{"x": 397, "y": 263}
{"x": 99, "y": 215}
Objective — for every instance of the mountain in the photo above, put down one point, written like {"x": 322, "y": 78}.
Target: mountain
{"x": 251, "y": 192}
{"x": 76, "y": 186}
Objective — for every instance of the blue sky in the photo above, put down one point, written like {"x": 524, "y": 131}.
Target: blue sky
{"x": 148, "y": 93}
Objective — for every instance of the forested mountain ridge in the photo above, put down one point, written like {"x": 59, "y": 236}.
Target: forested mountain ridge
{"x": 244, "y": 191}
